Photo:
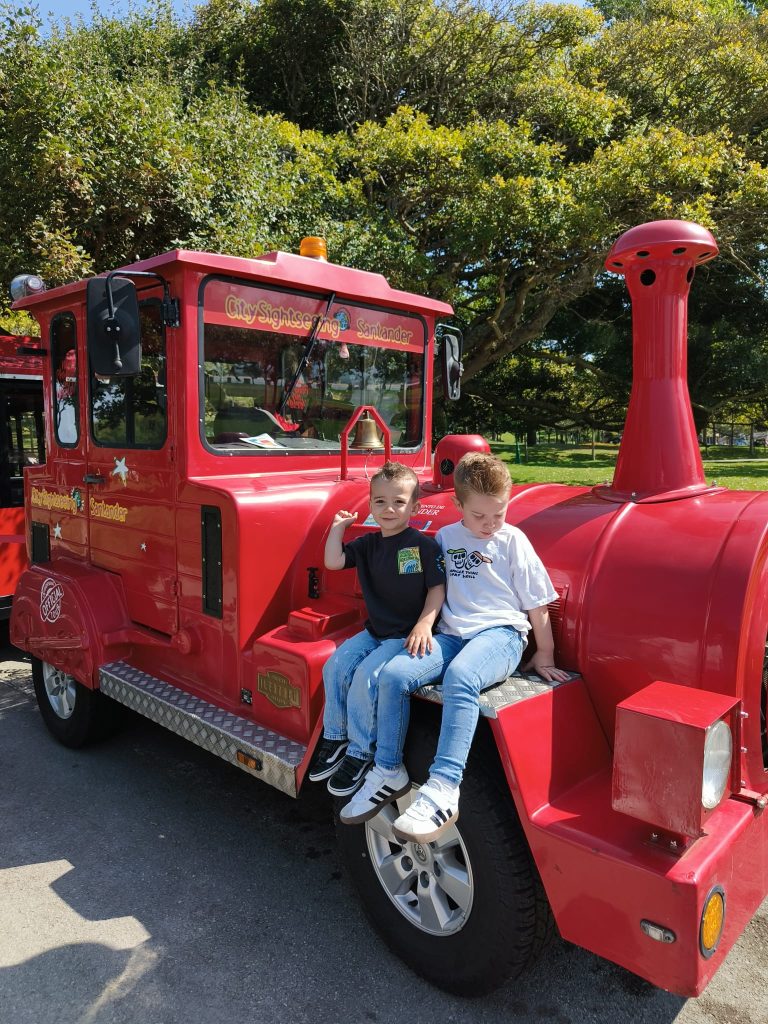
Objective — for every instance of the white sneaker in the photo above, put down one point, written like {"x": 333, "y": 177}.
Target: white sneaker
{"x": 435, "y": 809}
{"x": 379, "y": 789}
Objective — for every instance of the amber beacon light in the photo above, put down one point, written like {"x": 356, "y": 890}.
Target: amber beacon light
{"x": 314, "y": 247}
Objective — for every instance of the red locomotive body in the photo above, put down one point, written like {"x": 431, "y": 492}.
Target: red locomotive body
{"x": 176, "y": 536}
{"x": 21, "y": 444}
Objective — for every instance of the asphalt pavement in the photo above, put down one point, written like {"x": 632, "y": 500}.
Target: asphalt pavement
{"x": 144, "y": 881}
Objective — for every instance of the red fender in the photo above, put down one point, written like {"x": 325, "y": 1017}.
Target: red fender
{"x": 603, "y": 873}
{"x": 73, "y": 616}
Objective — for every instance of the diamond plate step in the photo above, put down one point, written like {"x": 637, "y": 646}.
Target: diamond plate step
{"x": 206, "y": 725}
{"x": 515, "y": 688}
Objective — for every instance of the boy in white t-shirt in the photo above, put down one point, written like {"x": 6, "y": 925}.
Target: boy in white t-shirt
{"x": 497, "y": 589}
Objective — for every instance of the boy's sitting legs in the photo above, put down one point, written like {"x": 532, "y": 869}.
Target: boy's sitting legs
{"x": 361, "y": 718}
{"x": 337, "y": 676}
{"x": 484, "y": 660}
{"x": 397, "y": 679}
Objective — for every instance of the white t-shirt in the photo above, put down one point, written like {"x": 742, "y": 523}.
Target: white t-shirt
{"x": 490, "y": 582}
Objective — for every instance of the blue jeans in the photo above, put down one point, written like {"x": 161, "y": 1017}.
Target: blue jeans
{"x": 350, "y": 678}
{"x": 466, "y": 667}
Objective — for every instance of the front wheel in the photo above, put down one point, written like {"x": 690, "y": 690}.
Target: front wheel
{"x": 74, "y": 714}
{"x": 466, "y": 911}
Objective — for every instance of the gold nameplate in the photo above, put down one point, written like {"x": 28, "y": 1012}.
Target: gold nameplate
{"x": 279, "y": 690}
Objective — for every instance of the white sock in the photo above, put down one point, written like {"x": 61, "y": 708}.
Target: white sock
{"x": 391, "y": 772}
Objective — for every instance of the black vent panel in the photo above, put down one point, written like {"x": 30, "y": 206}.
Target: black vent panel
{"x": 41, "y": 542}
{"x": 210, "y": 521}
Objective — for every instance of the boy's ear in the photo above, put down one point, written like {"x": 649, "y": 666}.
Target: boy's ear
{"x": 416, "y": 505}
{"x": 457, "y": 503}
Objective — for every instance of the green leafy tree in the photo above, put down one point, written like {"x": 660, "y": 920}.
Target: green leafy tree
{"x": 282, "y": 52}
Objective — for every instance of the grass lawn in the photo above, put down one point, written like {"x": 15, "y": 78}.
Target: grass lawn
{"x": 736, "y": 468}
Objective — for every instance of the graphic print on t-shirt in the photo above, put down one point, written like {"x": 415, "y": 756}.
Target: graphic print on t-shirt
{"x": 465, "y": 563}
{"x": 408, "y": 561}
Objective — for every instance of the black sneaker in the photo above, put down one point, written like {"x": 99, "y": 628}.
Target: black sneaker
{"x": 349, "y": 775}
{"x": 327, "y": 759}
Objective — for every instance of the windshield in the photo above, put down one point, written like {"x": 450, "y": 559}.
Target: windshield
{"x": 253, "y": 343}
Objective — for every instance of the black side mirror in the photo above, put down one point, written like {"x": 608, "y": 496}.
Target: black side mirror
{"x": 114, "y": 331}
{"x": 451, "y": 346}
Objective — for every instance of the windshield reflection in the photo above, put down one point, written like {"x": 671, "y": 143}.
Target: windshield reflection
{"x": 247, "y": 373}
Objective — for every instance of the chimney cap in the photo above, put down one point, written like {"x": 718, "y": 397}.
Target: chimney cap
{"x": 668, "y": 240}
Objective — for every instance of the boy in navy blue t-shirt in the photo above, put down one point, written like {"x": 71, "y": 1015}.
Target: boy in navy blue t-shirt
{"x": 402, "y": 577}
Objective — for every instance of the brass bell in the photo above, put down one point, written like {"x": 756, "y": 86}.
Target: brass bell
{"x": 366, "y": 434}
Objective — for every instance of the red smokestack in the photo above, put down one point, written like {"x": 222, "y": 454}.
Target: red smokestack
{"x": 659, "y": 455}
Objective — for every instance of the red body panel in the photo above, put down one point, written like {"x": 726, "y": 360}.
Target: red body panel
{"x": 602, "y": 872}
{"x": 13, "y": 550}
{"x": 24, "y": 364}
{"x": 658, "y": 755}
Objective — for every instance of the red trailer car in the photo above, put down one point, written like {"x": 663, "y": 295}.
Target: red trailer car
{"x": 21, "y": 444}
{"x": 199, "y": 413}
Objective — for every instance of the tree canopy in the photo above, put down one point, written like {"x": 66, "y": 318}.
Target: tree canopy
{"x": 485, "y": 154}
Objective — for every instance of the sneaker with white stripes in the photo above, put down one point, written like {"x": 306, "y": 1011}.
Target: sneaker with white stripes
{"x": 435, "y": 808}
{"x": 379, "y": 789}
{"x": 349, "y": 775}
{"x": 328, "y": 757}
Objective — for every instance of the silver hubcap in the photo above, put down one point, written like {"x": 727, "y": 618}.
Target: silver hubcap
{"x": 429, "y": 883}
{"x": 60, "y": 689}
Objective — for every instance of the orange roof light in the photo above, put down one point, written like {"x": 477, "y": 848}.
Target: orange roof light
{"x": 314, "y": 247}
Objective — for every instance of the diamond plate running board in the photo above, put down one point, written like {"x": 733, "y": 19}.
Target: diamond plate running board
{"x": 515, "y": 688}
{"x": 206, "y": 725}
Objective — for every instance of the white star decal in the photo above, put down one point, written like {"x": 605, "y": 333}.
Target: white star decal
{"x": 143, "y": 546}
{"x": 120, "y": 469}
{"x": 57, "y": 531}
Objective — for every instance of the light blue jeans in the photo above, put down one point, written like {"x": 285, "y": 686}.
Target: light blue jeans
{"x": 350, "y": 678}
{"x": 466, "y": 667}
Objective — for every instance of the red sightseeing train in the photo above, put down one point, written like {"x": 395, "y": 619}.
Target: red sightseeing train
{"x": 199, "y": 429}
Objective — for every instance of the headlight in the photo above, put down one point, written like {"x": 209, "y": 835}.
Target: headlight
{"x": 718, "y": 751}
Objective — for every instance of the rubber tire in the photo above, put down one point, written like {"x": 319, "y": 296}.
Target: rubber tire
{"x": 94, "y": 718}
{"x": 510, "y": 921}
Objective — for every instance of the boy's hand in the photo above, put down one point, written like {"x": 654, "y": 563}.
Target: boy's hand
{"x": 542, "y": 665}
{"x": 419, "y": 640}
{"x": 343, "y": 519}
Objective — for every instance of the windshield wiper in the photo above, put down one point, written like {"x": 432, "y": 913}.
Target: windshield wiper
{"x": 305, "y": 355}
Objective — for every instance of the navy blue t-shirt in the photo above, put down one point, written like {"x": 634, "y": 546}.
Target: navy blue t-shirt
{"x": 395, "y": 574}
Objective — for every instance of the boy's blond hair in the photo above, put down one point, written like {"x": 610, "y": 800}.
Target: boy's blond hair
{"x": 398, "y": 471}
{"x": 480, "y": 473}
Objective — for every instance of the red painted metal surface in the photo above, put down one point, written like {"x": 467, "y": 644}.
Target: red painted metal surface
{"x": 658, "y": 755}
{"x": 448, "y": 451}
{"x": 13, "y": 552}
{"x": 659, "y": 577}
{"x": 23, "y": 367}
{"x": 659, "y": 453}
{"x": 603, "y": 873}
{"x": 24, "y": 364}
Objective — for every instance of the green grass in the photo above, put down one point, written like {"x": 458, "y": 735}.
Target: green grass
{"x": 736, "y": 468}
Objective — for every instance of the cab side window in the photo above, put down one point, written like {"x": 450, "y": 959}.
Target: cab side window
{"x": 131, "y": 412}
{"x": 65, "y": 390}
